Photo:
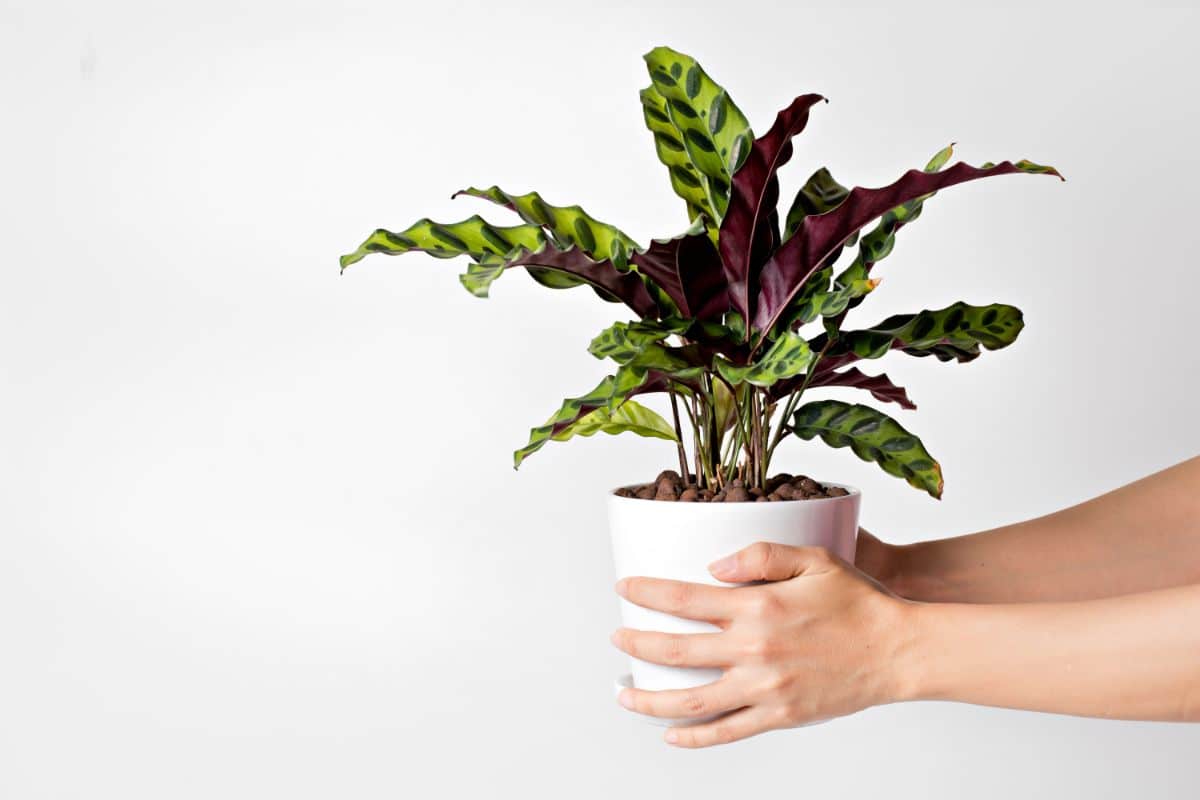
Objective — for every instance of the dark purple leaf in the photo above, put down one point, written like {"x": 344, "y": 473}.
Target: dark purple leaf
{"x": 626, "y": 286}
{"x": 880, "y": 386}
{"x": 750, "y": 229}
{"x": 688, "y": 269}
{"x": 820, "y": 236}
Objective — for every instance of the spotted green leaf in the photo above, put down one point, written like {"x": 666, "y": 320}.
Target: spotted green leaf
{"x": 820, "y": 193}
{"x": 952, "y": 333}
{"x": 623, "y": 341}
{"x": 654, "y": 370}
{"x": 714, "y": 131}
{"x": 686, "y": 180}
{"x": 873, "y": 436}
{"x": 474, "y": 237}
{"x": 878, "y": 243}
{"x": 608, "y": 394}
{"x": 566, "y": 225}
{"x": 825, "y": 302}
{"x": 630, "y": 417}
{"x": 789, "y": 356}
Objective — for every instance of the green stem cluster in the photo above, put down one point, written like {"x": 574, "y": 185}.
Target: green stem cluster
{"x": 742, "y": 444}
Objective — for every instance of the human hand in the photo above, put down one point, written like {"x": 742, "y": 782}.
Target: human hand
{"x": 821, "y": 641}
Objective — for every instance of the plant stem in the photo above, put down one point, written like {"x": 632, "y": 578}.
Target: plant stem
{"x": 756, "y": 475}
{"x": 714, "y": 438}
{"x": 683, "y": 469}
{"x": 794, "y": 398}
{"x": 697, "y": 445}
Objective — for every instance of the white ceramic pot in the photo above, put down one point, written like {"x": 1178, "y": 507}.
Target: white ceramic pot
{"x": 679, "y": 540}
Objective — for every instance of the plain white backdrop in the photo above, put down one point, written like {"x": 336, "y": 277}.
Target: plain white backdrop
{"x": 259, "y": 532}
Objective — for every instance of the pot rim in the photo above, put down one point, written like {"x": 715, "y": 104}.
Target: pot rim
{"x": 854, "y": 491}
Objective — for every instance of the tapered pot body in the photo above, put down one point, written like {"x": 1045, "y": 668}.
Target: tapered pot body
{"x": 679, "y": 540}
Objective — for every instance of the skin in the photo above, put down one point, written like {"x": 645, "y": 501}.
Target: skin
{"x": 1089, "y": 611}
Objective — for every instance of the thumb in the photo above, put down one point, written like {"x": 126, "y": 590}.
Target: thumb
{"x": 765, "y": 561}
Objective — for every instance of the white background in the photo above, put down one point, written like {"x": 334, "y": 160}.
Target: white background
{"x": 259, "y": 533}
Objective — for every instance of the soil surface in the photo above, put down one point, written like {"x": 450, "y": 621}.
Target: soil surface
{"x": 670, "y": 487}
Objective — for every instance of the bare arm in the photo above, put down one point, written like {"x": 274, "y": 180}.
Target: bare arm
{"x": 1139, "y": 538}
{"x": 1130, "y": 657}
{"x": 822, "y": 640}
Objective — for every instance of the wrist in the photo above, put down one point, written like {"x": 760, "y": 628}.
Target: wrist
{"x": 918, "y": 647}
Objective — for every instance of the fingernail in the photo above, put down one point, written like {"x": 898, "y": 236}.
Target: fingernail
{"x": 625, "y": 698}
{"x": 620, "y": 587}
{"x": 723, "y": 566}
{"x": 671, "y": 737}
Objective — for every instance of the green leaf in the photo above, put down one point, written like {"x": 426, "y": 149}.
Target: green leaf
{"x": 573, "y": 409}
{"x": 623, "y": 341}
{"x": 725, "y": 406}
{"x": 474, "y": 237}
{"x": 819, "y": 194}
{"x": 609, "y": 395}
{"x": 789, "y": 356}
{"x": 873, "y": 436}
{"x": 820, "y": 302}
{"x": 686, "y": 180}
{"x": 713, "y": 130}
{"x": 878, "y": 243}
{"x": 952, "y": 333}
{"x": 630, "y": 417}
{"x": 567, "y": 225}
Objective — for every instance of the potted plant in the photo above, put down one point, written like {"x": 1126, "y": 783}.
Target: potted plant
{"x": 735, "y": 322}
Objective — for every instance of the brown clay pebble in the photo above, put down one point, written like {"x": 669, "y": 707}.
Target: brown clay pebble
{"x": 666, "y": 491}
{"x": 624, "y": 491}
{"x": 774, "y": 498}
{"x": 786, "y": 491}
{"x": 762, "y": 498}
{"x": 808, "y": 485}
{"x": 737, "y": 494}
{"x": 645, "y": 493}
{"x": 836, "y": 491}
{"x": 706, "y": 495}
{"x": 737, "y": 483}
{"x": 757, "y": 492}
{"x": 668, "y": 475}
{"x": 689, "y": 495}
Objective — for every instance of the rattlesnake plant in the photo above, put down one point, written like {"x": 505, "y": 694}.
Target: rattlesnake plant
{"x": 721, "y": 308}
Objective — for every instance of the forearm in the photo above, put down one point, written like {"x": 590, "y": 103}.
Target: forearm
{"x": 1141, "y": 537}
{"x": 1132, "y": 657}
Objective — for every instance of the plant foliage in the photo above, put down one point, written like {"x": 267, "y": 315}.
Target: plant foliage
{"x": 721, "y": 309}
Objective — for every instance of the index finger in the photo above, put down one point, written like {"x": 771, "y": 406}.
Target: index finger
{"x": 679, "y": 598}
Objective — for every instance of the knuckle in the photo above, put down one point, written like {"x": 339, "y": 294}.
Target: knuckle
{"x": 761, "y": 605}
{"x": 758, "y": 555}
{"x": 674, "y": 651}
{"x": 693, "y": 704}
{"x": 775, "y": 683}
{"x": 679, "y": 596}
{"x": 756, "y": 648}
{"x": 723, "y": 734}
